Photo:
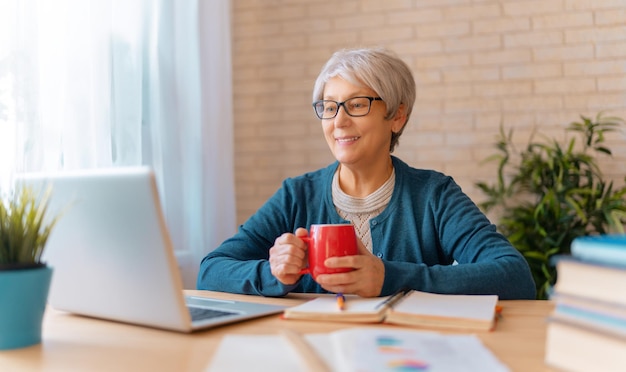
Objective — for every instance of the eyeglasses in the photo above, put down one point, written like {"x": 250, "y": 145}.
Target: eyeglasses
{"x": 355, "y": 106}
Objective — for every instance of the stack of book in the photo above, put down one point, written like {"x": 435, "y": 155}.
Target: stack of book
{"x": 587, "y": 330}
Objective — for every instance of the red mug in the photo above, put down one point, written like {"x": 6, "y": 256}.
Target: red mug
{"x": 329, "y": 240}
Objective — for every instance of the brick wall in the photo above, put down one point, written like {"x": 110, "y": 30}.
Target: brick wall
{"x": 525, "y": 64}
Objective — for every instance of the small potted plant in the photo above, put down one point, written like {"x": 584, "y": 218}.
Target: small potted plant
{"x": 24, "y": 278}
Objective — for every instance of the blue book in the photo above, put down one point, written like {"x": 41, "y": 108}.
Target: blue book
{"x": 608, "y": 249}
{"x": 601, "y": 315}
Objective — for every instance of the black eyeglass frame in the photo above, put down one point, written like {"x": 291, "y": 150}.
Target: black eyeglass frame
{"x": 339, "y": 104}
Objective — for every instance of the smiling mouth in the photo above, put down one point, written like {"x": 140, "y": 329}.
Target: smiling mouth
{"x": 346, "y": 139}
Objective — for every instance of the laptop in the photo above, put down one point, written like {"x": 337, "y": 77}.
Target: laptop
{"x": 113, "y": 258}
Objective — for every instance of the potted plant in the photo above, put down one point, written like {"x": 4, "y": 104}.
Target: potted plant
{"x": 24, "y": 278}
{"x": 548, "y": 194}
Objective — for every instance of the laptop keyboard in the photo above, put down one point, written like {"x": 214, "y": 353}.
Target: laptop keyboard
{"x": 201, "y": 313}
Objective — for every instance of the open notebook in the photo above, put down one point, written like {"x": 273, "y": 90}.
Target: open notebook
{"x": 113, "y": 258}
{"x": 409, "y": 307}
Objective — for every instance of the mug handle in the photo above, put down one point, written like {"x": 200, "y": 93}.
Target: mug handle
{"x": 307, "y": 240}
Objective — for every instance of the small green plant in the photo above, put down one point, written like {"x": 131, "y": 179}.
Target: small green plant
{"x": 23, "y": 230}
{"x": 548, "y": 194}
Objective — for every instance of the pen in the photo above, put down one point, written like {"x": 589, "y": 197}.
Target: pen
{"x": 389, "y": 302}
{"x": 341, "y": 301}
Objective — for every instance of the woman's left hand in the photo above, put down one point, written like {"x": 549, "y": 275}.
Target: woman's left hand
{"x": 366, "y": 280}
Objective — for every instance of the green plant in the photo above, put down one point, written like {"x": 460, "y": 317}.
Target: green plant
{"x": 548, "y": 194}
{"x": 23, "y": 229}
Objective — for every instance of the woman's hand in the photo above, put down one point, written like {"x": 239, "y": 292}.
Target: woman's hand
{"x": 288, "y": 256}
{"x": 366, "y": 280}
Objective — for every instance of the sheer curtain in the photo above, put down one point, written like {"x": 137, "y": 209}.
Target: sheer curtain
{"x": 101, "y": 83}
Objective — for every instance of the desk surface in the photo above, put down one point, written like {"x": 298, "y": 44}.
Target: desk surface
{"x": 73, "y": 342}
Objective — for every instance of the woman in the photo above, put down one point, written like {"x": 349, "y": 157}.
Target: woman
{"x": 416, "y": 228}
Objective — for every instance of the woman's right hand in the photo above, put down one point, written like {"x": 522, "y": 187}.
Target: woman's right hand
{"x": 288, "y": 256}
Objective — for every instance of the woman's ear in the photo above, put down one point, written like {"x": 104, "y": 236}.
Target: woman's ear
{"x": 399, "y": 119}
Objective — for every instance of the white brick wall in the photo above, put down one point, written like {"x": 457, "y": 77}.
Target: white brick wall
{"x": 478, "y": 63}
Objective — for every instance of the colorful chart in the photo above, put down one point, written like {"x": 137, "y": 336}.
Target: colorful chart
{"x": 407, "y": 365}
{"x": 392, "y": 345}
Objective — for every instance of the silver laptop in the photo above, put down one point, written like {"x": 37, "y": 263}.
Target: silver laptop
{"x": 112, "y": 256}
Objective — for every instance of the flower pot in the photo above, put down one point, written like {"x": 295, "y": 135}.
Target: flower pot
{"x": 23, "y": 296}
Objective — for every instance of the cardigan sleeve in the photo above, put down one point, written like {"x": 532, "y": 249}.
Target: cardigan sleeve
{"x": 241, "y": 263}
{"x": 443, "y": 243}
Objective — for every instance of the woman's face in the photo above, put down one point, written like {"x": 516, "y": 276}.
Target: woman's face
{"x": 357, "y": 141}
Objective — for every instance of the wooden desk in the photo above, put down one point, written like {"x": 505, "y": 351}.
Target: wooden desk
{"x": 78, "y": 343}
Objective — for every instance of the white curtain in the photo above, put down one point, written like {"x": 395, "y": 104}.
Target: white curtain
{"x": 101, "y": 83}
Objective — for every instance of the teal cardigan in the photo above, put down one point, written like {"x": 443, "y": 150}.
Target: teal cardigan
{"x": 428, "y": 225}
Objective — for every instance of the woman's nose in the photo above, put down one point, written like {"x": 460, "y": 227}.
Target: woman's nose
{"x": 342, "y": 118}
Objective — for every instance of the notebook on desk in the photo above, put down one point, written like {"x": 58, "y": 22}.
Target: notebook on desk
{"x": 113, "y": 258}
